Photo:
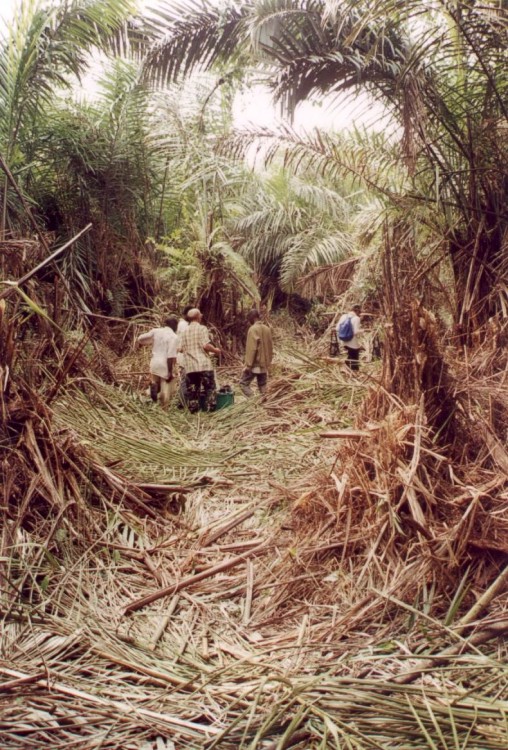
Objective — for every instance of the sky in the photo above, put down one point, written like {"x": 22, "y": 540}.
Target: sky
{"x": 255, "y": 108}
{"x": 7, "y": 8}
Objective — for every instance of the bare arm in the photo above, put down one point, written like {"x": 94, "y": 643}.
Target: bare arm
{"x": 171, "y": 361}
{"x": 144, "y": 339}
{"x": 212, "y": 349}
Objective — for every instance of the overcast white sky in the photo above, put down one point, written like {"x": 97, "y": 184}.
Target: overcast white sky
{"x": 255, "y": 107}
{"x": 7, "y": 8}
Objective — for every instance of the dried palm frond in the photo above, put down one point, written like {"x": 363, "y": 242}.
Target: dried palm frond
{"x": 328, "y": 281}
{"x": 296, "y": 590}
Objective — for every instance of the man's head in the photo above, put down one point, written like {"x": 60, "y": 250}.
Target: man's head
{"x": 185, "y": 311}
{"x": 253, "y": 316}
{"x": 194, "y": 315}
{"x": 357, "y": 309}
{"x": 171, "y": 322}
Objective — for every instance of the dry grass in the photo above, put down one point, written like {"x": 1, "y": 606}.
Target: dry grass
{"x": 319, "y": 593}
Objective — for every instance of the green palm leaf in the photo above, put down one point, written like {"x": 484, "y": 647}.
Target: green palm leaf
{"x": 192, "y": 36}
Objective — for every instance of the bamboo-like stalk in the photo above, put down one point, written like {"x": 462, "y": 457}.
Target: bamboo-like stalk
{"x": 124, "y": 708}
{"x": 190, "y": 580}
{"x": 304, "y": 585}
{"x": 496, "y": 587}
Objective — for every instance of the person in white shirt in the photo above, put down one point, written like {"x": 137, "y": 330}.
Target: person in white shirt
{"x": 164, "y": 343}
{"x": 182, "y": 326}
{"x": 353, "y": 345}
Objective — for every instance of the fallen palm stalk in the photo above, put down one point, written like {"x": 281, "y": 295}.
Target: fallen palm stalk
{"x": 163, "y": 721}
{"x": 345, "y": 434}
{"x": 264, "y": 648}
{"x": 190, "y": 580}
{"x": 494, "y": 630}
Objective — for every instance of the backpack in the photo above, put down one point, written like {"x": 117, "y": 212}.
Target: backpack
{"x": 345, "y": 330}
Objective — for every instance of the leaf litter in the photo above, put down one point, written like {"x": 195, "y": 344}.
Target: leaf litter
{"x": 237, "y": 580}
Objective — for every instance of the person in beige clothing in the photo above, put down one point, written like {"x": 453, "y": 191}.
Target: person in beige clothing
{"x": 195, "y": 346}
{"x": 258, "y": 355}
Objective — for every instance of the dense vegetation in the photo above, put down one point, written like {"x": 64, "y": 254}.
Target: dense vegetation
{"x": 326, "y": 570}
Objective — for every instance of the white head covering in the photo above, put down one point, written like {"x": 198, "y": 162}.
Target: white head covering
{"x": 193, "y": 313}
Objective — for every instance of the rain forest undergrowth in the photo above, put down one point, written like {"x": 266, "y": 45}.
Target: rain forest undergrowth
{"x": 236, "y": 580}
{"x": 324, "y": 569}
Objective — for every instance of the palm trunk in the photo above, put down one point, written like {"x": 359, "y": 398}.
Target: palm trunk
{"x": 477, "y": 262}
{"x": 413, "y": 365}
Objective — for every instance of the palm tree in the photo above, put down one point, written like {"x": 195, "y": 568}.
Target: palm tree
{"x": 77, "y": 163}
{"x": 201, "y": 193}
{"x": 96, "y": 163}
{"x": 43, "y": 50}
{"x": 445, "y": 85}
{"x": 292, "y": 225}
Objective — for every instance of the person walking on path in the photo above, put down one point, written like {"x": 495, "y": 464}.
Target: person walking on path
{"x": 183, "y": 322}
{"x": 258, "y": 355}
{"x": 348, "y": 328}
{"x": 182, "y": 326}
{"x": 164, "y": 343}
{"x": 195, "y": 346}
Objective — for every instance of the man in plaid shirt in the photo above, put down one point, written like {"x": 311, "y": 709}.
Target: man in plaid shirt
{"x": 199, "y": 376}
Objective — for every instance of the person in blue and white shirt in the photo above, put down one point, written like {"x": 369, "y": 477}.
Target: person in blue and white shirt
{"x": 353, "y": 346}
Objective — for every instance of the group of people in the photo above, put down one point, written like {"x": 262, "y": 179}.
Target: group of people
{"x": 181, "y": 353}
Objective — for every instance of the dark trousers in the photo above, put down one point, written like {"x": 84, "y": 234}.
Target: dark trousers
{"x": 247, "y": 378}
{"x": 199, "y": 384}
{"x": 353, "y": 358}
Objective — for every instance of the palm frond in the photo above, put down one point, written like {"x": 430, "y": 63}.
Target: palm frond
{"x": 371, "y": 163}
{"x": 44, "y": 48}
{"x": 193, "y": 36}
{"x": 296, "y": 225}
{"x": 307, "y": 252}
{"x": 237, "y": 267}
{"x": 324, "y": 199}
{"x": 326, "y": 281}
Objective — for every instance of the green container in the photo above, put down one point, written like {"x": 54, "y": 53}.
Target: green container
{"x": 224, "y": 399}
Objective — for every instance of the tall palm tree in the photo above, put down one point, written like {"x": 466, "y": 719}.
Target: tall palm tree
{"x": 441, "y": 70}
{"x": 43, "y": 50}
{"x": 201, "y": 194}
{"x": 95, "y": 162}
